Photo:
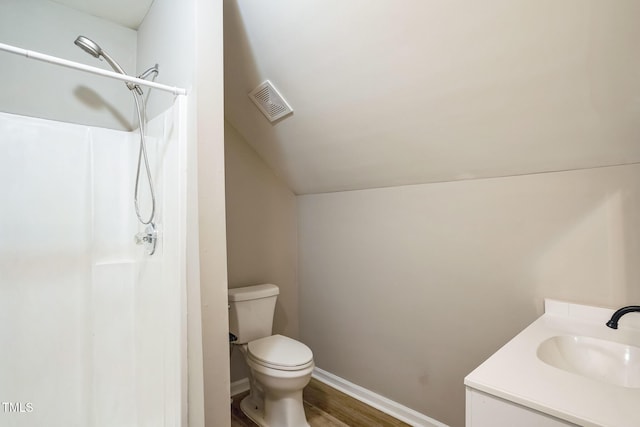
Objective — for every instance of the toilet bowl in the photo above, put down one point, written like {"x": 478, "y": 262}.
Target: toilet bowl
{"x": 279, "y": 367}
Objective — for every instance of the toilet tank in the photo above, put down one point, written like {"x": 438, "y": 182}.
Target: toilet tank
{"x": 251, "y": 311}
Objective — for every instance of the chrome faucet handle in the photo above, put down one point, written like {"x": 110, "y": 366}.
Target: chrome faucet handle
{"x": 148, "y": 238}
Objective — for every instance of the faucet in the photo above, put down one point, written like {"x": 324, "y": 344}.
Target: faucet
{"x": 613, "y": 322}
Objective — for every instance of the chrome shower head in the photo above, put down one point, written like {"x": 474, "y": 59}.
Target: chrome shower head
{"x": 93, "y": 49}
{"x": 88, "y": 46}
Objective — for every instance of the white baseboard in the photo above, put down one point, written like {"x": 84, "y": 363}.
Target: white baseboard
{"x": 239, "y": 386}
{"x": 374, "y": 400}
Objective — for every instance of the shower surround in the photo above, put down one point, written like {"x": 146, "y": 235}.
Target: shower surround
{"x": 91, "y": 326}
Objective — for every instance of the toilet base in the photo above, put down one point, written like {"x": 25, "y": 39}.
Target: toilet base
{"x": 255, "y": 412}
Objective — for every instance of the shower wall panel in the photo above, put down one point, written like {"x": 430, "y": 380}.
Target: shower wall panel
{"x": 113, "y": 280}
{"x": 90, "y": 324}
{"x": 45, "y": 241}
{"x": 159, "y": 298}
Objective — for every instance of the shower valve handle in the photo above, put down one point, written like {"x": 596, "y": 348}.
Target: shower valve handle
{"x": 148, "y": 237}
{"x": 143, "y": 237}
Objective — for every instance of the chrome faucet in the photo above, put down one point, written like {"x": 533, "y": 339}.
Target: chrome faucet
{"x": 613, "y": 322}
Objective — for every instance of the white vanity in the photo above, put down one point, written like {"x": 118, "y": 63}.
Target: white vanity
{"x": 566, "y": 369}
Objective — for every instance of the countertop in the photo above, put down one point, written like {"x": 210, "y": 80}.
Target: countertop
{"x": 515, "y": 373}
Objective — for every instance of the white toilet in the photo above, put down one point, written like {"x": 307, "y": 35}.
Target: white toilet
{"x": 280, "y": 367}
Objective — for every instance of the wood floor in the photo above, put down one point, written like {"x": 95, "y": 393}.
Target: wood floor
{"x": 325, "y": 406}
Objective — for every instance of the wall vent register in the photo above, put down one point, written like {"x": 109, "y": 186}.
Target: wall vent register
{"x": 270, "y": 102}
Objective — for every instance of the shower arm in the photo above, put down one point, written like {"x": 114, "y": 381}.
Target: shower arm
{"x": 152, "y": 70}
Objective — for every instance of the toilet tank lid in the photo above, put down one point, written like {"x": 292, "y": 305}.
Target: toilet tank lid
{"x": 253, "y": 292}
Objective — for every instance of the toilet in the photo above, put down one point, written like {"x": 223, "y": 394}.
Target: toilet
{"x": 279, "y": 367}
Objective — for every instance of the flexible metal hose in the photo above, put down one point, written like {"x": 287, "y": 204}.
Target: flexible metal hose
{"x": 142, "y": 153}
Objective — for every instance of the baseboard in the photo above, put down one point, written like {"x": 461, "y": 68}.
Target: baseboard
{"x": 374, "y": 400}
{"x": 239, "y": 386}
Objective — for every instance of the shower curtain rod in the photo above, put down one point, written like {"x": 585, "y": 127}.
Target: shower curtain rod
{"x": 93, "y": 70}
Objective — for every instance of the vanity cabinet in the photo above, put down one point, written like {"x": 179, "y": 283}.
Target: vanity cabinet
{"x": 564, "y": 369}
{"x": 485, "y": 410}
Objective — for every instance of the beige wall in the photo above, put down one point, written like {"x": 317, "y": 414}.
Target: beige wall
{"x": 261, "y": 233}
{"x": 405, "y": 290}
{"x": 209, "y": 106}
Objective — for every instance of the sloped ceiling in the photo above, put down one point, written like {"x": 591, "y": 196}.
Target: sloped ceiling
{"x": 389, "y": 92}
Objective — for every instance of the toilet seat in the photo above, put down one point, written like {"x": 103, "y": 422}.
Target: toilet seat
{"x": 280, "y": 352}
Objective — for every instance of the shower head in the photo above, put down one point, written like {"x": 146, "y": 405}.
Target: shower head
{"x": 93, "y": 49}
{"x": 88, "y": 46}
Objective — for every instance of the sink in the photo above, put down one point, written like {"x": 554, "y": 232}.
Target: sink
{"x": 594, "y": 358}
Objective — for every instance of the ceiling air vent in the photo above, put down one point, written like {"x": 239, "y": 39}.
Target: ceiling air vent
{"x": 270, "y": 102}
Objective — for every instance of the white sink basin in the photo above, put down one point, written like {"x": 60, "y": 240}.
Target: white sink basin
{"x": 594, "y": 358}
